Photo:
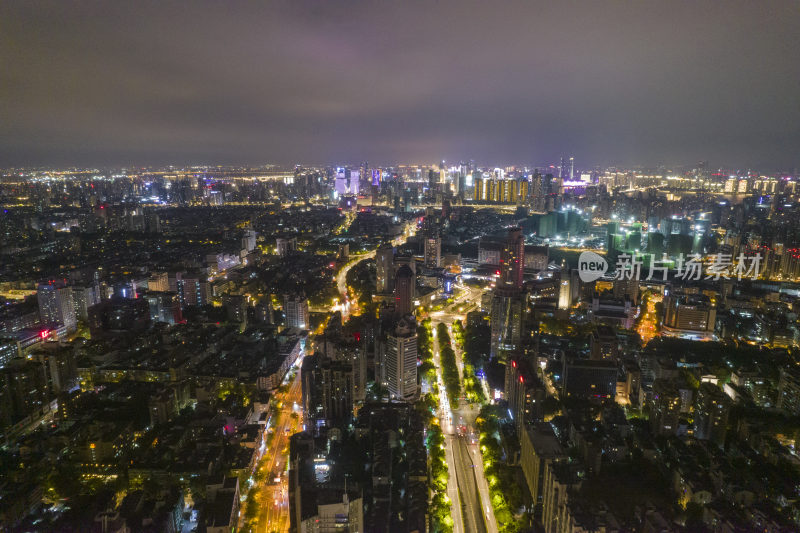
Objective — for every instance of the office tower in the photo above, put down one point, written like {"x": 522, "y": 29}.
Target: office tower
{"x": 192, "y": 289}
{"x": 512, "y": 262}
{"x": 9, "y": 349}
{"x": 351, "y": 352}
{"x": 295, "y": 309}
{"x": 384, "y": 266}
{"x": 433, "y": 242}
{"x": 401, "y": 360}
{"x": 347, "y": 181}
{"x": 56, "y": 305}
{"x": 711, "y": 414}
{"x": 135, "y": 221}
{"x": 158, "y": 282}
{"x": 571, "y": 168}
{"x": 249, "y": 240}
{"x": 433, "y": 250}
{"x": 327, "y": 389}
{"x": 461, "y": 182}
{"x": 538, "y": 194}
{"x": 540, "y": 451}
{"x": 404, "y": 291}
{"x": 506, "y": 317}
{"x": 337, "y": 389}
{"x": 309, "y": 394}
{"x": 480, "y": 189}
{"x": 563, "y": 169}
{"x": 85, "y": 297}
{"x": 522, "y": 191}
{"x": 524, "y": 393}
{"x": 614, "y": 237}
{"x": 568, "y": 284}
{"x": 689, "y": 314}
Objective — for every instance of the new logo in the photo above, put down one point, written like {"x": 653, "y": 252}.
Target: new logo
{"x": 591, "y": 266}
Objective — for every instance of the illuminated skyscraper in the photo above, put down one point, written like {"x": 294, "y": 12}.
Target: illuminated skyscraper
{"x": 401, "y": 360}
{"x": 347, "y": 181}
{"x": 563, "y": 169}
{"x": 433, "y": 241}
{"x": 433, "y": 250}
{"x": 524, "y": 392}
{"x": 512, "y": 262}
{"x": 507, "y": 318}
{"x": 56, "y": 305}
{"x": 479, "y": 193}
{"x": 689, "y": 314}
{"x": 296, "y": 310}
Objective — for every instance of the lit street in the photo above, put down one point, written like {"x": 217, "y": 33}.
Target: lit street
{"x": 349, "y": 303}
{"x": 463, "y": 456}
{"x": 286, "y": 419}
{"x": 275, "y": 497}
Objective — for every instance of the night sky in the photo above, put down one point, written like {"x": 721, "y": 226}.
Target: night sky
{"x": 623, "y": 83}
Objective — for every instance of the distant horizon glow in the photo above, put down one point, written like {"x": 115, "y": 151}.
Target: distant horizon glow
{"x": 630, "y": 85}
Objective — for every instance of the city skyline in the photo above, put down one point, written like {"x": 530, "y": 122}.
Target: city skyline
{"x": 446, "y": 349}
{"x": 418, "y": 267}
{"x": 611, "y": 83}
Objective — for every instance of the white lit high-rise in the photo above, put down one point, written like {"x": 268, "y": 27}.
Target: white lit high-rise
{"x": 401, "y": 360}
{"x": 296, "y": 310}
{"x": 56, "y": 305}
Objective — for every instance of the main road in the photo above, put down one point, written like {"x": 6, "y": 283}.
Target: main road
{"x": 446, "y": 419}
{"x": 461, "y": 452}
{"x": 468, "y": 487}
{"x": 285, "y": 419}
{"x": 346, "y": 306}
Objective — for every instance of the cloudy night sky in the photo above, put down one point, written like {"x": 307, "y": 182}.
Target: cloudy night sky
{"x": 626, "y": 83}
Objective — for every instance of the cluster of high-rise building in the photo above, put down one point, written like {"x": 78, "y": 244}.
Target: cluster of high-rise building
{"x": 165, "y": 325}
